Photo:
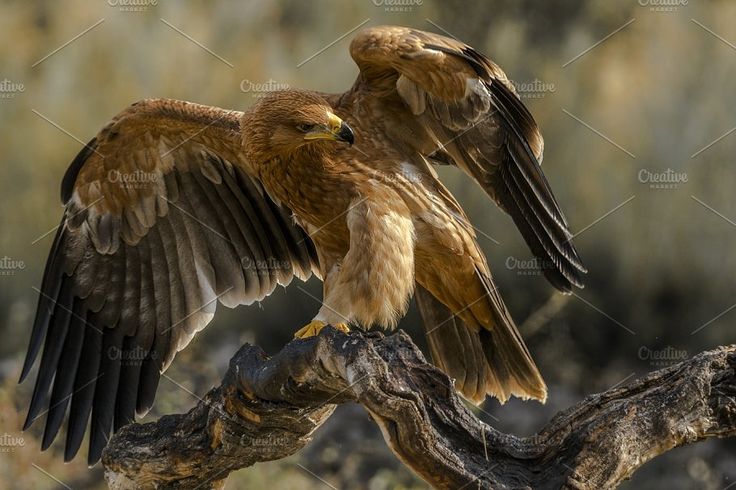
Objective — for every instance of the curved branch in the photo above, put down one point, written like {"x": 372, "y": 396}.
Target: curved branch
{"x": 267, "y": 409}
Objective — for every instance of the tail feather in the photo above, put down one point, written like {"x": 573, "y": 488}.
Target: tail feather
{"x": 455, "y": 349}
{"x": 483, "y": 359}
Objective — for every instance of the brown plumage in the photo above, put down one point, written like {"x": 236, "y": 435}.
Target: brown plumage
{"x": 174, "y": 206}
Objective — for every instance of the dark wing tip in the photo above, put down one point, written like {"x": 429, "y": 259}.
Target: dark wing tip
{"x": 533, "y": 205}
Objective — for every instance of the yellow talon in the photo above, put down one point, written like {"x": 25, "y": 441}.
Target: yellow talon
{"x": 343, "y": 327}
{"x": 310, "y": 329}
{"x": 315, "y": 327}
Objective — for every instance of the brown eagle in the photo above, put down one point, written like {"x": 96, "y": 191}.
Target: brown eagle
{"x": 175, "y": 206}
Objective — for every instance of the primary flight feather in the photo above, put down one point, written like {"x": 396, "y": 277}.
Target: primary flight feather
{"x": 175, "y": 206}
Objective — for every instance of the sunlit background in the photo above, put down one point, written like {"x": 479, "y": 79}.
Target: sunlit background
{"x": 635, "y": 100}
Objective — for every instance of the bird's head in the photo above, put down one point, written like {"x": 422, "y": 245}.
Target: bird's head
{"x": 284, "y": 122}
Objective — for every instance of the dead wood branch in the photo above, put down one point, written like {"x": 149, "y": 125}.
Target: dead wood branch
{"x": 267, "y": 408}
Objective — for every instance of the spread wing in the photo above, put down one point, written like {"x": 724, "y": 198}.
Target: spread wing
{"x": 162, "y": 219}
{"x": 457, "y": 107}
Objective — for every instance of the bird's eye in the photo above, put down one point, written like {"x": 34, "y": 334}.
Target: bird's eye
{"x": 304, "y": 128}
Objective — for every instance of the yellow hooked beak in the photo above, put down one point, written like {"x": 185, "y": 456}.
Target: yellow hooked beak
{"x": 337, "y": 130}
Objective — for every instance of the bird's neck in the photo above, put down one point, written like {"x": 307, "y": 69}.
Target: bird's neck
{"x": 305, "y": 165}
{"x": 301, "y": 180}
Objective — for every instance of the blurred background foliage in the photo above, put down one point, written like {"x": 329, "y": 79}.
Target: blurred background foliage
{"x": 644, "y": 102}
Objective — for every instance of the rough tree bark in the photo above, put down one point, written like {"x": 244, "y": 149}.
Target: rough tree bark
{"x": 267, "y": 408}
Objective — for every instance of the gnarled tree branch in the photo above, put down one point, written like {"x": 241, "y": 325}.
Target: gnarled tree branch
{"x": 267, "y": 408}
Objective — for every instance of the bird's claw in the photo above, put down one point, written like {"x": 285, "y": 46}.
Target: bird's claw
{"x": 315, "y": 327}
